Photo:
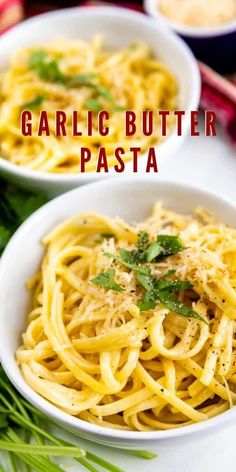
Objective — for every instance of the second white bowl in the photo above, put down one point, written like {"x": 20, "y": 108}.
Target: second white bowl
{"x": 120, "y": 27}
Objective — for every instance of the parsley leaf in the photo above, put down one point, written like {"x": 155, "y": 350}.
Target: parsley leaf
{"x": 145, "y": 280}
{"x": 106, "y": 280}
{"x": 156, "y": 290}
{"x": 154, "y": 250}
{"x": 170, "y": 272}
{"x": 93, "y": 104}
{"x": 37, "y": 57}
{"x": 105, "y": 93}
{"x": 170, "y": 244}
{"x": 47, "y": 68}
{"x": 161, "y": 291}
{"x": 142, "y": 241}
{"x": 146, "y": 305}
{"x": 165, "y": 245}
{"x": 109, "y": 254}
{"x": 35, "y": 103}
{"x": 128, "y": 259}
{"x": 172, "y": 285}
{"x": 173, "y": 304}
{"x": 82, "y": 80}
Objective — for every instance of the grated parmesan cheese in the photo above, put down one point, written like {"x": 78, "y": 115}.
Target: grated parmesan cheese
{"x": 199, "y": 12}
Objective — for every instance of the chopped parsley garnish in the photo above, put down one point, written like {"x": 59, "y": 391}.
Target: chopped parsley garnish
{"x": 154, "y": 250}
{"x": 142, "y": 241}
{"x": 106, "y": 280}
{"x": 129, "y": 260}
{"x": 161, "y": 290}
{"x": 164, "y": 246}
{"x": 172, "y": 285}
{"x": 47, "y": 68}
{"x": 35, "y": 103}
{"x": 146, "y": 304}
{"x": 105, "y": 93}
{"x": 145, "y": 280}
{"x": 82, "y": 80}
{"x": 170, "y": 244}
{"x": 109, "y": 254}
{"x": 173, "y": 304}
{"x": 93, "y": 104}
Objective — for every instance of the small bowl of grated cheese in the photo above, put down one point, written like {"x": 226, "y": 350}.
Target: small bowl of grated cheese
{"x": 209, "y": 27}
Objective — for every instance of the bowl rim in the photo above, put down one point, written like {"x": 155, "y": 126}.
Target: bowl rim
{"x": 70, "y": 422}
{"x": 151, "y": 7}
{"x": 100, "y": 10}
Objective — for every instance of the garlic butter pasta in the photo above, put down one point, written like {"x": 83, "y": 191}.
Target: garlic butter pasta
{"x": 133, "y": 327}
{"x": 75, "y": 75}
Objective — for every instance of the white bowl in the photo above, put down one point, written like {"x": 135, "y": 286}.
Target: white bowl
{"x": 132, "y": 200}
{"x": 120, "y": 27}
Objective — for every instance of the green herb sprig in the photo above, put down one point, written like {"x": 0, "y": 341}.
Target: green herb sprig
{"x": 156, "y": 290}
{"x": 106, "y": 280}
{"x": 127, "y": 259}
{"x": 47, "y": 68}
{"x": 165, "y": 245}
{"x": 34, "y": 103}
{"x": 160, "y": 290}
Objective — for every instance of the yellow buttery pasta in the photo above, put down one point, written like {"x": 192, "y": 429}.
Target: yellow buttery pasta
{"x": 75, "y": 75}
{"x": 133, "y": 327}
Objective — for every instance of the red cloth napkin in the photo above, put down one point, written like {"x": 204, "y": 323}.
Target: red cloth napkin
{"x": 218, "y": 93}
{"x": 11, "y": 12}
